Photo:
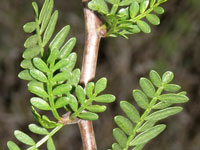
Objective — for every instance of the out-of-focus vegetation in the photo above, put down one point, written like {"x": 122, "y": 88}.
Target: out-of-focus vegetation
{"x": 174, "y": 45}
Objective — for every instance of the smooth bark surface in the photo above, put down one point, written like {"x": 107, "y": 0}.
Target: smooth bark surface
{"x": 92, "y": 40}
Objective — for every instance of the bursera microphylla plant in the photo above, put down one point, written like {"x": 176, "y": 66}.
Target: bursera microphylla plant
{"x": 48, "y": 66}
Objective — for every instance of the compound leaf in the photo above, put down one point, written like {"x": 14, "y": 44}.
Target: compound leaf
{"x": 130, "y": 111}
{"x": 162, "y": 114}
{"x": 24, "y": 138}
{"x": 31, "y": 52}
{"x": 60, "y": 37}
{"x": 120, "y": 137}
{"x": 105, "y": 98}
{"x": 38, "y": 75}
{"x": 40, "y": 103}
{"x": 40, "y": 64}
{"x": 50, "y": 144}
{"x": 173, "y": 98}
{"x": 62, "y": 89}
{"x": 100, "y": 85}
{"x": 12, "y": 146}
{"x": 141, "y": 99}
{"x": 167, "y": 77}
{"x": 143, "y": 26}
{"x": 37, "y": 129}
{"x": 147, "y": 87}
{"x": 155, "y": 78}
{"x": 124, "y": 124}
{"x": 50, "y": 28}
{"x": 29, "y": 27}
{"x": 88, "y": 116}
{"x": 80, "y": 94}
{"x": 96, "y": 108}
{"x": 153, "y": 19}
{"x": 148, "y": 135}
{"x": 67, "y": 48}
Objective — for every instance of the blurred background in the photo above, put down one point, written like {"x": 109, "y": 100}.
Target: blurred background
{"x": 173, "y": 45}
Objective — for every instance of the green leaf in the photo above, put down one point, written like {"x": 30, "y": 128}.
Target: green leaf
{"x": 141, "y": 99}
{"x": 62, "y": 89}
{"x": 155, "y": 78}
{"x": 62, "y": 101}
{"x": 105, "y": 98}
{"x": 153, "y": 19}
{"x": 89, "y": 89}
{"x": 120, "y": 137}
{"x": 99, "y": 6}
{"x": 172, "y": 87}
{"x": 143, "y": 26}
{"x": 46, "y": 123}
{"x": 38, "y": 75}
{"x": 75, "y": 77}
{"x": 88, "y": 116}
{"x": 148, "y": 135}
{"x": 130, "y": 111}
{"x": 25, "y": 75}
{"x": 67, "y": 48}
{"x": 30, "y": 53}
{"x": 37, "y": 129}
{"x": 80, "y": 94}
{"x": 29, "y": 27}
{"x": 123, "y": 13}
{"x": 125, "y": 2}
{"x": 50, "y": 144}
{"x": 47, "y": 14}
{"x": 37, "y": 89}
{"x": 100, "y": 85}
{"x": 147, "y": 87}
{"x": 161, "y": 105}
{"x": 116, "y": 146}
{"x": 71, "y": 62}
{"x": 31, "y": 41}
{"x": 146, "y": 125}
{"x": 40, "y": 64}
{"x": 60, "y": 64}
{"x": 63, "y": 76}
{"x": 60, "y": 37}
{"x": 12, "y": 146}
{"x": 167, "y": 77}
{"x": 143, "y": 6}
{"x": 182, "y": 93}
{"x": 35, "y": 8}
{"x": 24, "y": 138}
{"x": 134, "y": 9}
{"x": 162, "y": 114}
{"x": 40, "y": 103}
{"x": 110, "y": 1}
{"x": 53, "y": 55}
{"x": 152, "y": 2}
{"x": 26, "y": 64}
{"x": 159, "y": 10}
{"x": 50, "y": 28}
{"x": 43, "y": 10}
{"x": 139, "y": 147}
{"x": 124, "y": 124}
{"x": 96, "y": 108}
{"x": 73, "y": 102}
{"x": 173, "y": 98}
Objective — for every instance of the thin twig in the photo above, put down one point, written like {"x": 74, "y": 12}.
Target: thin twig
{"x": 93, "y": 36}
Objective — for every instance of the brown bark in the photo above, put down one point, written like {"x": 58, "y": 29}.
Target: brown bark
{"x": 92, "y": 40}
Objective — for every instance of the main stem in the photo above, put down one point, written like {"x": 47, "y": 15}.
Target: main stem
{"x": 92, "y": 40}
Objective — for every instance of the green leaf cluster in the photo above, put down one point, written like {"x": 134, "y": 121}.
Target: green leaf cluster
{"x": 31, "y": 144}
{"x": 128, "y": 16}
{"x": 87, "y": 110}
{"x": 137, "y": 130}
